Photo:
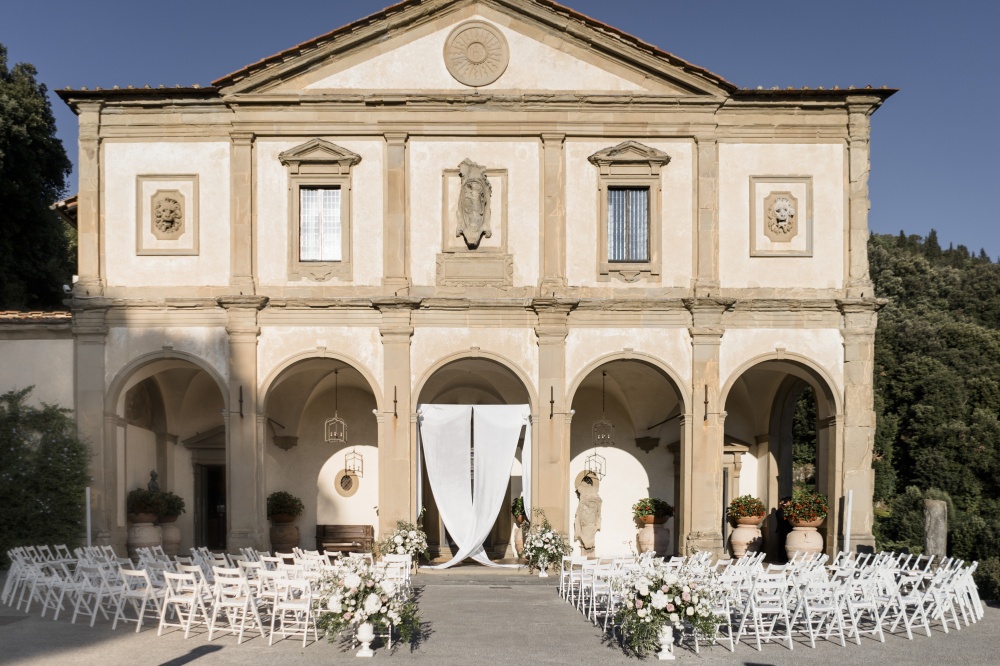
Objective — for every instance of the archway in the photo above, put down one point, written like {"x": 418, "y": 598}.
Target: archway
{"x": 474, "y": 381}
{"x": 169, "y": 417}
{"x": 761, "y": 401}
{"x": 643, "y": 402}
{"x": 337, "y": 481}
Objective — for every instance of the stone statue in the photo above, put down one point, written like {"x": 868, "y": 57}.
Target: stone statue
{"x": 474, "y": 204}
{"x": 588, "y": 514}
{"x": 153, "y": 486}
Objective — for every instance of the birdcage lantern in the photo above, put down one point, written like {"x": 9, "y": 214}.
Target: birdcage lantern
{"x": 604, "y": 430}
{"x": 355, "y": 462}
{"x": 596, "y": 464}
{"x": 335, "y": 428}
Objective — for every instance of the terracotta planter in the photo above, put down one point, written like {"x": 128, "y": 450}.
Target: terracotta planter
{"x": 519, "y": 520}
{"x": 804, "y": 538}
{"x": 284, "y": 535}
{"x": 281, "y": 518}
{"x": 653, "y": 520}
{"x": 746, "y": 538}
{"x": 171, "y": 535}
{"x": 142, "y": 535}
{"x": 142, "y": 518}
{"x": 518, "y": 541}
{"x": 654, "y": 538}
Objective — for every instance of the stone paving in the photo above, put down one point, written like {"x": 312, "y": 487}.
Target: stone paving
{"x": 469, "y": 616}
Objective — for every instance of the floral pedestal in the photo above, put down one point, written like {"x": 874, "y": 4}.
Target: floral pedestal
{"x": 365, "y": 636}
{"x": 746, "y": 538}
{"x": 666, "y": 652}
{"x": 543, "y": 566}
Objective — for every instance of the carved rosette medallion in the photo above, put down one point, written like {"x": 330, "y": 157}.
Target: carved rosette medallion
{"x": 474, "y": 204}
{"x": 167, "y": 208}
{"x": 476, "y": 53}
{"x": 781, "y": 209}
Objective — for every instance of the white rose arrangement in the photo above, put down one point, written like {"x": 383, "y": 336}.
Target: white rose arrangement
{"x": 407, "y": 539}
{"x": 543, "y": 546}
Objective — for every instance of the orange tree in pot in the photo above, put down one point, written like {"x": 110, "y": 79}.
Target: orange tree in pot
{"x": 652, "y": 510}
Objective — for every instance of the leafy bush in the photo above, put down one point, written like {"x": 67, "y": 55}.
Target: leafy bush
{"x": 517, "y": 507}
{"x": 171, "y": 505}
{"x": 280, "y": 502}
{"x": 650, "y": 506}
{"x": 805, "y": 506}
{"x": 987, "y": 577}
{"x": 745, "y": 506}
{"x": 141, "y": 500}
{"x": 43, "y": 475}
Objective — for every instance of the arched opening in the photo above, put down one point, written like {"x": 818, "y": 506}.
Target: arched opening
{"x": 781, "y": 432}
{"x": 645, "y": 407}
{"x": 170, "y": 419}
{"x": 337, "y": 481}
{"x": 474, "y": 381}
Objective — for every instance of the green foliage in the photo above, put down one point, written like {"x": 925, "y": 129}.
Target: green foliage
{"x": 805, "y": 506}
{"x": 280, "y": 502}
{"x": 35, "y": 259}
{"x": 745, "y": 506}
{"x": 651, "y": 506}
{"x": 517, "y": 507}
{"x": 141, "y": 500}
{"x": 987, "y": 578}
{"x": 937, "y": 391}
{"x": 43, "y": 475}
{"x": 171, "y": 504}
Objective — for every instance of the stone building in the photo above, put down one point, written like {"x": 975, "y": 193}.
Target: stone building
{"x": 474, "y": 202}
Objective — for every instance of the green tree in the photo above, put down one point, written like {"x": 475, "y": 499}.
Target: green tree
{"x": 43, "y": 474}
{"x": 34, "y": 248}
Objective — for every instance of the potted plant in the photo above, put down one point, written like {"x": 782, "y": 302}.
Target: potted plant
{"x": 282, "y": 509}
{"x": 652, "y": 511}
{"x": 143, "y": 506}
{"x": 171, "y": 507}
{"x": 517, "y": 510}
{"x": 746, "y": 511}
{"x": 806, "y": 511}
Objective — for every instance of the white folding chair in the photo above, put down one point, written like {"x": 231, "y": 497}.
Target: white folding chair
{"x": 138, "y": 592}
{"x": 235, "y": 599}
{"x": 94, "y": 593}
{"x": 184, "y": 599}
{"x": 820, "y": 607}
{"x": 768, "y": 598}
{"x": 294, "y": 610}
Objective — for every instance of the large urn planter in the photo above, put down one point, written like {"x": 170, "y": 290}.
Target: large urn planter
{"x": 746, "y": 537}
{"x": 804, "y": 537}
{"x": 284, "y": 533}
{"x": 142, "y": 533}
{"x": 171, "y": 535}
{"x": 654, "y": 535}
{"x": 519, "y": 535}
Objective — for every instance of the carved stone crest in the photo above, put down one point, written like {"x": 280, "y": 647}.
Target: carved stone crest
{"x": 473, "y": 204}
{"x": 476, "y": 53}
{"x": 781, "y": 209}
{"x": 168, "y": 214}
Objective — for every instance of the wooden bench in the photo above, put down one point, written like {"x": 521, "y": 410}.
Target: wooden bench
{"x": 345, "y": 538}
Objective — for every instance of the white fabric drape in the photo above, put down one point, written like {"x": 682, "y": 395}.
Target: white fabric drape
{"x": 526, "y": 464}
{"x": 445, "y": 438}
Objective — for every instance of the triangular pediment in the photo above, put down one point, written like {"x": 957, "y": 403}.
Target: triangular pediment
{"x": 629, "y": 152}
{"x": 318, "y": 151}
{"x": 473, "y": 46}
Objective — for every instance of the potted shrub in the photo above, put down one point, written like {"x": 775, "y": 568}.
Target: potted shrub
{"x": 171, "y": 507}
{"x": 283, "y": 508}
{"x": 806, "y": 511}
{"x": 650, "y": 511}
{"x": 517, "y": 510}
{"x": 746, "y": 512}
{"x": 143, "y": 506}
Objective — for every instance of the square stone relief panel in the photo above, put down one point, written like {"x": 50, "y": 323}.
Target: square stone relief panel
{"x": 167, "y": 215}
{"x": 781, "y": 220}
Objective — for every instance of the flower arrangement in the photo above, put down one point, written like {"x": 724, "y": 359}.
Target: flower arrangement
{"x": 655, "y": 596}
{"x": 171, "y": 505}
{"x": 650, "y": 506}
{"x": 407, "y": 539}
{"x": 360, "y": 592}
{"x": 543, "y": 545}
{"x": 804, "y": 507}
{"x": 280, "y": 503}
{"x": 745, "y": 506}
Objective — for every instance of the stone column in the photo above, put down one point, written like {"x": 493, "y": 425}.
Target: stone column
{"x": 859, "y": 320}
{"x": 89, "y": 337}
{"x": 397, "y": 449}
{"x": 241, "y": 196}
{"x": 553, "y": 212}
{"x": 245, "y": 501}
{"x": 703, "y": 499}
{"x": 936, "y": 528}
{"x": 90, "y": 250}
{"x": 395, "y": 278}
{"x": 550, "y": 475}
{"x": 859, "y": 284}
{"x": 707, "y": 233}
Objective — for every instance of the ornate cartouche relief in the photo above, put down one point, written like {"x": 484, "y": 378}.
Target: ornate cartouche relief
{"x": 473, "y": 204}
{"x": 476, "y": 53}
{"x": 168, "y": 214}
{"x": 781, "y": 209}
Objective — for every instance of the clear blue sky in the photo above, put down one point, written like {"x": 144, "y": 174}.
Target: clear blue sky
{"x": 936, "y": 143}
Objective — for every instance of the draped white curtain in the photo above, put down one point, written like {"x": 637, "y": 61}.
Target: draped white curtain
{"x": 445, "y": 437}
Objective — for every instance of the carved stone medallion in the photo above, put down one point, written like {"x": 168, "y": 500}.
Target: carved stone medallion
{"x": 474, "y": 204}
{"x": 476, "y": 53}
{"x": 781, "y": 209}
{"x": 168, "y": 214}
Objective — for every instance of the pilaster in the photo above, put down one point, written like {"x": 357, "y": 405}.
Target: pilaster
{"x": 241, "y": 199}
{"x": 397, "y": 448}
{"x": 553, "y": 212}
{"x": 707, "y": 236}
{"x": 245, "y": 501}
{"x": 394, "y": 237}
{"x": 89, "y": 339}
{"x": 859, "y": 283}
{"x": 550, "y": 477}
{"x": 90, "y": 263}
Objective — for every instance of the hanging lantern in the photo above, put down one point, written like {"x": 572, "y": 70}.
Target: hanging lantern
{"x": 596, "y": 464}
{"x": 355, "y": 462}
{"x": 336, "y": 428}
{"x": 604, "y": 430}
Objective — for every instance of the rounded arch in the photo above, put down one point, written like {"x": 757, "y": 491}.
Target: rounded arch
{"x": 813, "y": 374}
{"x": 499, "y": 359}
{"x": 265, "y": 390}
{"x": 679, "y": 385}
{"x": 131, "y": 371}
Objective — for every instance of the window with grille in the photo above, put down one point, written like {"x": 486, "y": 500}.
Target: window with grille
{"x": 320, "y": 224}
{"x": 628, "y": 224}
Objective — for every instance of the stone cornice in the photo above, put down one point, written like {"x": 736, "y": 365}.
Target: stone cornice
{"x": 243, "y": 302}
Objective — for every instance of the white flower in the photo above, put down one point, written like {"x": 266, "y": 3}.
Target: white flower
{"x": 674, "y": 618}
{"x": 642, "y": 612}
{"x": 389, "y": 587}
{"x": 670, "y": 580}
{"x": 690, "y": 610}
{"x": 335, "y": 605}
{"x": 352, "y": 580}
{"x": 412, "y": 534}
{"x": 372, "y": 604}
{"x": 400, "y": 550}
{"x": 642, "y": 589}
{"x": 658, "y": 600}
{"x": 397, "y": 539}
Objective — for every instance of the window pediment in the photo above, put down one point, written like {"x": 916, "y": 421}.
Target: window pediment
{"x": 318, "y": 156}
{"x": 630, "y": 157}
